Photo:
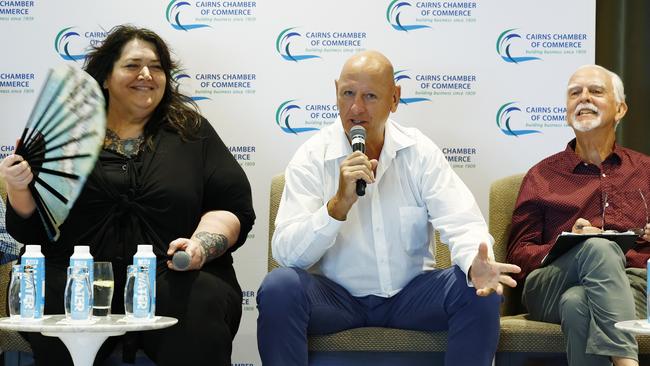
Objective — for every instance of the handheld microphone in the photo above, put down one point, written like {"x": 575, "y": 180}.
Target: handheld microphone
{"x": 358, "y": 141}
{"x": 181, "y": 260}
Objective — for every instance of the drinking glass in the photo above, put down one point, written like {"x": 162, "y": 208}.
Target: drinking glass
{"x": 78, "y": 297}
{"x": 18, "y": 276}
{"x": 27, "y": 293}
{"x": 103, "y": 285}
{"x": 137, "y": 293}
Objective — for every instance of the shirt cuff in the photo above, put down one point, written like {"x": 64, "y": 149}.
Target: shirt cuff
{"x": 464, "y": 266}
{"x": 324, "y": 224}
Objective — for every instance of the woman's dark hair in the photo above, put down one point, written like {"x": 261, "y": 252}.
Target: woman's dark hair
{"x": 175, "y": 110}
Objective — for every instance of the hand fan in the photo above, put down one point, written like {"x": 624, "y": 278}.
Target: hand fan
{"x": 61, "y": 141}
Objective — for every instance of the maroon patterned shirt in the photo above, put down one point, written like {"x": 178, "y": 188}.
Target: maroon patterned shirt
{"x": 562, "y": 188}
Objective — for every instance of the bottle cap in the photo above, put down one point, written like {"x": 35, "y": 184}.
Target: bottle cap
{"x": 32, "y": 248}
{"x": 82, "y": 249}
{"x": 145, "y": 247}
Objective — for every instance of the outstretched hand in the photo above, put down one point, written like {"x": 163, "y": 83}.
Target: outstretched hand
{"x": 488, "y": 276}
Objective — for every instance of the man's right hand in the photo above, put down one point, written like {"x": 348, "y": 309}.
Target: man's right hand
{"x": 356, "y": 166}
{"x": 583, "y": 226}
{"x": 16, "y": 173}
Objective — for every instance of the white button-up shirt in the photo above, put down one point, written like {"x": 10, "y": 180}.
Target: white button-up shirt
{"x": 385, "y": 240}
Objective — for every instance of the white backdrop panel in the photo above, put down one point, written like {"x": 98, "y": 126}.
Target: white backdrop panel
{"x": 459, "y": 63}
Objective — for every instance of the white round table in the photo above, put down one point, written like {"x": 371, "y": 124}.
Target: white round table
{"x": 638, "y": 326}
{"x": 84, "y": 339}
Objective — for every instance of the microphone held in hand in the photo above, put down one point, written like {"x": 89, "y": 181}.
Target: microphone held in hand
{"x": 358, "y": 141}
{"x": 181, "y": 260}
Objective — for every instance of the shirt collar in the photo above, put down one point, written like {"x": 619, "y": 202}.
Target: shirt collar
{"x": 338, "y": 145}
{"x": 574, "y": 161}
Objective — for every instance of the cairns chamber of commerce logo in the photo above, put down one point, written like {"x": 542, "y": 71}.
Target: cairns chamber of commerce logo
{"x": 504, "y": 44}
{"x": 65, "y": 41}
{"x": 296, "y": 46}
{"x": 517, "y": 47}
{"x": 173, "y": 16}
{"x": 185, "y": 15}
{"x": 395, "y": 18}
{"x": 404, "y": 16}
{"x": 16, "y": 10}
{"x": 283, "y": 45}
{"x": 199, "y": 85}
{"x": 283, "y": 118}
{"x": 504, "y": 119}
{"x": 438, "y": 84}
{"x": 403, "y": 75}
{"x": 72, "y": 45}
{"x": 532, "y": 117}
{"x": 184, "y": 80}
{"x": 295, "y": 118}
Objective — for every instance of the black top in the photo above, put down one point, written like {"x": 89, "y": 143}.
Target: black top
{"x": 153, "y": 198}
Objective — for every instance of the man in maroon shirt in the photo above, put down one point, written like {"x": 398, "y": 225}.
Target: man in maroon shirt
{"x": 592, "y": 185}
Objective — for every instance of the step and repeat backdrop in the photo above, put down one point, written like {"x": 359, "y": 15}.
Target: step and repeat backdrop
{"x": 484, "y": 79}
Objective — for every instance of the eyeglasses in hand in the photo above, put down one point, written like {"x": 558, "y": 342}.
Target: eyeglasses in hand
{"x": 639, "y": 231}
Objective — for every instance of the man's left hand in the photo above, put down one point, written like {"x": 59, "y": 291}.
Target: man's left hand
{"x": 487, "y": 275}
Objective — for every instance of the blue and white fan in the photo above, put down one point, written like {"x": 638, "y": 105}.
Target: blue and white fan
{"x": 62, "y": 140}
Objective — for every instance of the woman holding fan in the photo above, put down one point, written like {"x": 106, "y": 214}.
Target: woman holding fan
{"x": 163, "y": 177}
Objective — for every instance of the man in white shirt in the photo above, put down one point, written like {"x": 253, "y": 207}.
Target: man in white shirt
{"x": 354, "y": 261}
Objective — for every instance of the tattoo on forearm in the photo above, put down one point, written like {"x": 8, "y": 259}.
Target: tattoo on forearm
{"x": 213, "y": 245}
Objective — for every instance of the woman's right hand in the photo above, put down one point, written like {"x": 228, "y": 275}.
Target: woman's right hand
{"x": 16, "y": 173}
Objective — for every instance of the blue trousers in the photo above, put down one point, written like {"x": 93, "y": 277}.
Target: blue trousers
{"x": 293, "y": 304}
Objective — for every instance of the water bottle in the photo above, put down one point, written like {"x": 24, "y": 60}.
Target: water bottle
{"x": 33, "y": 299}
{"x": 144, "y": 257}
{"x": 82, "y": 258}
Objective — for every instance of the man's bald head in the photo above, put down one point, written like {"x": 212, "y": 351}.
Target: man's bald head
{"x": 370, "y": 62}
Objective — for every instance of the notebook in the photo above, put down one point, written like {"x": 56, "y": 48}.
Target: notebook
{"x": 567, "y": 240}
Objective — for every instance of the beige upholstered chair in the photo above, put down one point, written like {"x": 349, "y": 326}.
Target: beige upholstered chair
{"x": 9, "y": 340}
{"x": 365, "y": 339}
{"x": 518, "y": 334}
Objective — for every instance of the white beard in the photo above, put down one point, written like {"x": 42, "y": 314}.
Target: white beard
{"x": 585, "y": 125}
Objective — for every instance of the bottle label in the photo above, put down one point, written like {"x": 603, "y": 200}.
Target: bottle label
{"x": 85, "y": 263}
